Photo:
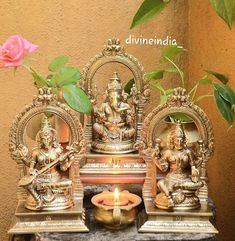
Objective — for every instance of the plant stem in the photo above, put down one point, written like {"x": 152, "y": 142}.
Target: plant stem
{"x": 194, "y": 91}
{"x": 178, "y": 69}
{"x": 159, "y": 87}
{"x": 202, "y": 97}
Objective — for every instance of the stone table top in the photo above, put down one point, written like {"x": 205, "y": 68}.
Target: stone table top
{"x": 99, "y": 233}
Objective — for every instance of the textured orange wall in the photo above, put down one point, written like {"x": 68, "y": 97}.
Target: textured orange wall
{"x": 79, "y": 29}
{"x": 212, "y": 47}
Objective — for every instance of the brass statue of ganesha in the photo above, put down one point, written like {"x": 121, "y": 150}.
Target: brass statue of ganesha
{"x": 114, "y": 120}
{"x": 178, "y": 190}
{"x": 47, "y": 188}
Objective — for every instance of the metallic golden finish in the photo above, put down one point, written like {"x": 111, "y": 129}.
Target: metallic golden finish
{"x": 113, "y": 127}
{"x": 101, "y": 132}
{"x": 109, "y": 168}
{"x": 68, "y": 220}
{"x": 48, "y": 189}
{"x": 154, "y": 220}
{"x": 43, "y": 188}
{"x": 116, "y": 216}
{"x": 114, "y": 52}
{"x": 180, "y": 190}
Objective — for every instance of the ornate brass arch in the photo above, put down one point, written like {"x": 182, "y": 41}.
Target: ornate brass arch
{"x": 44, "y": 102}
{"x": 179, "y": 102}
{"x": 113, "y": 53}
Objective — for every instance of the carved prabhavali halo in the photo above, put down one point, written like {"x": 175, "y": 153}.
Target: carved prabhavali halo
{"x": 179, "y": 102}
{"x": 45, "y": 102}
{"x": 114, "y": 52}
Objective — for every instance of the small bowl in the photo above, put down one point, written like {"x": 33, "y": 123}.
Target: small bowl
{"x": 117, "y": 216}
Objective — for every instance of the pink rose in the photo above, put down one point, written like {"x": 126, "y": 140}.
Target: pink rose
{"x": 13, "y": 51}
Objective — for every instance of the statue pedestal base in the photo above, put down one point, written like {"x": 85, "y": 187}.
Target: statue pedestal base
{"x": 158, "y": 220}
{"x": 67, "y": 220}
{"x": 99, "y": 233}
{"x": 110, "y": 169}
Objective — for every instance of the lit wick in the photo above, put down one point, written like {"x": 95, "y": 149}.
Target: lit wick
{"x": 116, "y": 197}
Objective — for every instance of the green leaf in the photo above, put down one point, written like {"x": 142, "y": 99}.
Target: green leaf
{"x": 148, "y": 10}
{"x": 205, "y": 81}
{"x": 225, "y": 9}
{"x": 226, "y": 93}
{"x": 40, "y": 81}
{"x": 154, "y": 75}
{"x": 159, "y": 73}
{"x": 219, "y": 76}
{"x": 55, "y": 91}
{"x": 163, "y": 99}
{"x": 129, "y": 85}
{"x": 66, "y": 76}
{"x": 180, "y": 117}
{"x": 76, "y": 98}
{"x": 169, "y": 92}
{"x": 57, "y": 63}
{"x": 224, "y": 107}
{"x": 171, "y": 52}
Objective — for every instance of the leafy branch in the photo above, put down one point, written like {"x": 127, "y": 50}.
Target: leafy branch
{"x": 63, "y": 78}
{"x": 152, "y": 8}
{"x": 224, "y": 96}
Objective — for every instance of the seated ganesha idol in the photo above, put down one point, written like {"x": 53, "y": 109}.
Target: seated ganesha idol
{"x": 113, "y": 127}
{"x": 178, "y": 189}
{"x": 48, "y": 189}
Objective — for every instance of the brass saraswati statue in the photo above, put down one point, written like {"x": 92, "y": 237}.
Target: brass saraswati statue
{"x": 50, "y": 192}
{"x": 178, "y": 189}
{"x": 114, "y": 121}
{"x": 48, "y": 189}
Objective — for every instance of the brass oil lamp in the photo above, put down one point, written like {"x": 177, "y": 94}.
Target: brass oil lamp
{"x": 115, "y": 210}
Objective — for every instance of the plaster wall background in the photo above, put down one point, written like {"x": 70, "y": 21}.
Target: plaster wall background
{"x": 211, "y": 46}
{"x": 79, "y": 29}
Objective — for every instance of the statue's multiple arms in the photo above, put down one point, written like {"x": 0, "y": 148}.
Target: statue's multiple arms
{"x": 195, "y": 173}
{"x": 32, "y": 170}
{"x": 162, "y": 161}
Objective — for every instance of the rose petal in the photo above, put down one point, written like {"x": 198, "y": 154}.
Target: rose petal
{"x": 14, "y": 50}
{"x": 14, "y": 47}
{"x": 28, "y": 47}
{"x": 10, "y": 64}
{"x": 1, "y": 52}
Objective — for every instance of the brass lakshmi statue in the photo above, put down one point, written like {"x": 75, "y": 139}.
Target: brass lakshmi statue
{"x": 175, "y": 190}
{"x": 48, "y": 189}
{"x": 114, "y": 120}
{"x": 178, "y": 188}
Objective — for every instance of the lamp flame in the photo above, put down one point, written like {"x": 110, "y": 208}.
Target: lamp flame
{"x": 116, "y": 195}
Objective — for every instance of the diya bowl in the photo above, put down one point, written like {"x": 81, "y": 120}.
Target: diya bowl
{"x": 115, "y": 214}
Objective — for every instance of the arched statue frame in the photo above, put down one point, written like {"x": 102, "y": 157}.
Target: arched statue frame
{"x": 178, "y": 102}
{"x": 46, "y": 102}
{"x": 114, "y": 52}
